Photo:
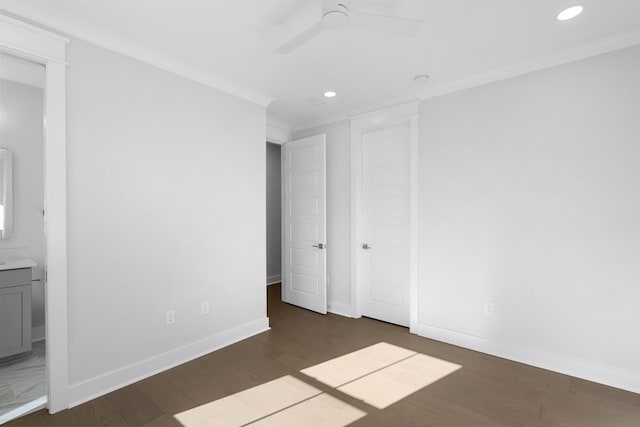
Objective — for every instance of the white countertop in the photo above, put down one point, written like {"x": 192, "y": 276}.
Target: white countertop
{"x": 10, "y": 263}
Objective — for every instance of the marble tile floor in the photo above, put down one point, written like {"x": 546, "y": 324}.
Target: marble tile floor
{"x": 23, "y": 384}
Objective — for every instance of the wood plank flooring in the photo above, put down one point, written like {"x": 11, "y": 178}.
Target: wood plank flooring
{"x": 485, "y": 391}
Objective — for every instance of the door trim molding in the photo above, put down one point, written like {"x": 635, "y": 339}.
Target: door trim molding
{"x": 400, "y": 112}
{"x": 277, "y": 134}
{"x": 49, "y": 49}
{"x": 397, "y": 114}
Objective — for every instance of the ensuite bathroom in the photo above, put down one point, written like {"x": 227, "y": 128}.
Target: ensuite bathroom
{"x": 22, "y": 238}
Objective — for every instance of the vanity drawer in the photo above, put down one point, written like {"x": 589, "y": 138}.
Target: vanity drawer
{"x": 16, "y": 277}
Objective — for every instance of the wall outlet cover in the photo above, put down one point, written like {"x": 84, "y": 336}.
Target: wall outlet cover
{"x": 171, "y": 317}
{"x": 204, "y": 308}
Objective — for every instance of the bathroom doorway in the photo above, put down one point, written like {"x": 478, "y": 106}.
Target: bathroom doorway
{"x": 274, "y": 221}
{"x": 23, "y": 387}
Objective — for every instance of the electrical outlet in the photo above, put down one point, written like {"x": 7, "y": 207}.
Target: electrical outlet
{"x": 489, "y": 309}
{"x": 171, "y": 317}
{"x": 204, "y": 307}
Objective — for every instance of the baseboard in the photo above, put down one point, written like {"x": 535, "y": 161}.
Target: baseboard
{"x": 272, "y": 280}
{"x": 339, "y": 308}
{"x": 37, "y": 333}
{"x": 26, "y": 409}
{"x": 106, "y": 383}
{"x": 587, "y": 370}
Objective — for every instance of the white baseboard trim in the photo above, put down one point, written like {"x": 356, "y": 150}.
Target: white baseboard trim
{"x": 600, "y": 373}
{"x": 339, "y": 308}
{"x": 37, "y": 333}
{"x": 106, "y": 383}
{"x": 21, "y": 411}
{"x": 272, "y": 280}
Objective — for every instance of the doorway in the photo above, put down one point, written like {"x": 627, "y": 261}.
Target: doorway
{"x": 49, "y": 49}
{"x": 22, "y": 247}
{"x": 385, "y": 224}
{"x": 274, "y": 217}
{"x": 384, "y": 214}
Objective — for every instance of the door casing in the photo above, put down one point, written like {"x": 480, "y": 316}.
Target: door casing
{"x": 49, "y": 49}
{"x": 399, "y": 114}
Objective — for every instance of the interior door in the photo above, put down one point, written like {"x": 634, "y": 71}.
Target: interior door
{"x": 304, "y": 279}
{"x": 385, "y": 223}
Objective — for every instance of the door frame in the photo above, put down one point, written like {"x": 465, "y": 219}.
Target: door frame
{"x": 398, "y": 114}
{"x": 280, "y": 134}
{"x": 49, "y": 49}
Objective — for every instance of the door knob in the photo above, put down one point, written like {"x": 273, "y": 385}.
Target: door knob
{"x": 366, "y": 246}
{"x": 319, "y": 246}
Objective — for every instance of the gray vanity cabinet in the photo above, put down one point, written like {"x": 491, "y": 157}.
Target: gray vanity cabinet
{"x": 15, "y": 311}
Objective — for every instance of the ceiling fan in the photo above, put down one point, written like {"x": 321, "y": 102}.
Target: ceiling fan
{"x": 338, "y": 14}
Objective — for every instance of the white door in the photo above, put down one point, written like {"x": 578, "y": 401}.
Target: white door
{"x": 385, "y": 223}
{"x": 304, "y": 272}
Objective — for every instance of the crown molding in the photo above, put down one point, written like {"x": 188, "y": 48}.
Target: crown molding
{"x": 278, "y": 122}
{"x": 565, "y": 56}
{"x": 584, "y": 51}
{"x": 52, "y": 37}
{"x": 78, "y": 30}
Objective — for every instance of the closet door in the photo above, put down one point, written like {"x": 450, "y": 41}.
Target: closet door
{"x": 385, "y": 223}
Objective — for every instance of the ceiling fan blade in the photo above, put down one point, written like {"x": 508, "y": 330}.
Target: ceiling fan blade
{"x": 389, "y": 24}
{"x": 300, "y": 39}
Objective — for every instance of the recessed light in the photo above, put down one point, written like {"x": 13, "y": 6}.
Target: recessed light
{"x": 329, "y": 94}
{"x": 570, "y": 13}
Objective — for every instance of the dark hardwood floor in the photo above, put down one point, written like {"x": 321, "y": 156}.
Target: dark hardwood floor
{"x": 486, "y": 391}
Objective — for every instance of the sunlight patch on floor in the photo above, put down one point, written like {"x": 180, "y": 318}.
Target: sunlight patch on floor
{"x": 347, "y": 368}
{"x": 389, "y": 385}
{"x": 379, "y": 375}
{"x": 249, "y": 405}
{"x": 323, "y": 410}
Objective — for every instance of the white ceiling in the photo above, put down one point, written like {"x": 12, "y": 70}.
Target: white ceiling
{"x": 231, "y": 43}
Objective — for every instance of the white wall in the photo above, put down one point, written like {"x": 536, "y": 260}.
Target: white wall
{"x": 274, "y": 240}
{"x": 22, "y": 132}
{"x": 530, "y": 199}
{"x": 338, "y": 213}
{"x": 166, "y": 202}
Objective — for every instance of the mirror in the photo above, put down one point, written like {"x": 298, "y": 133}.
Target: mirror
{"x": 6, "y": 194}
